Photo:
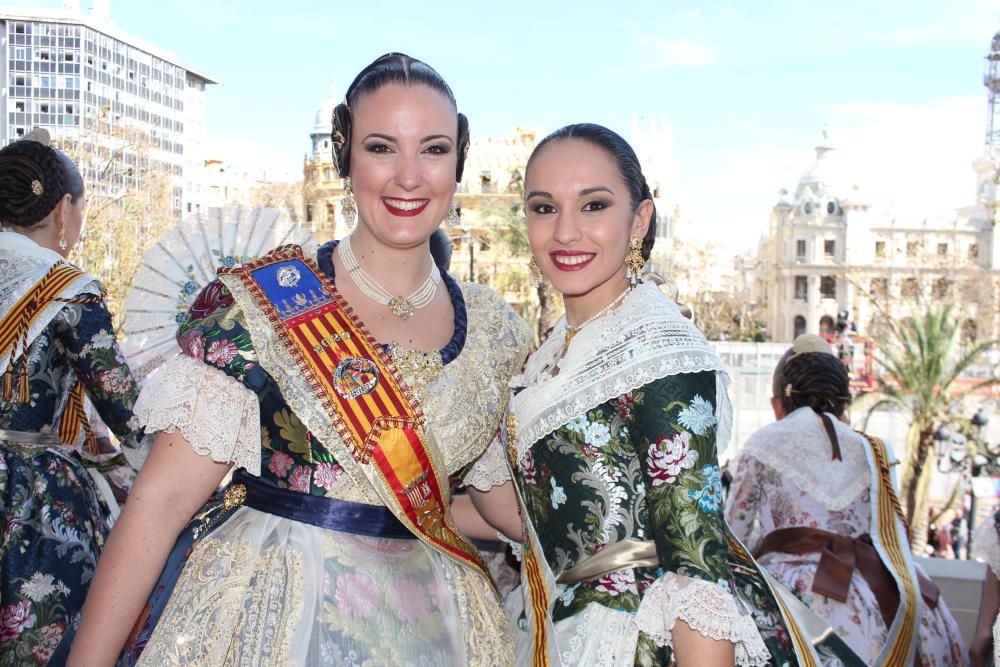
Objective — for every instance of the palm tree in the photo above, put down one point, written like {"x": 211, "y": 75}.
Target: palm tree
{"x": 922, "y": 361}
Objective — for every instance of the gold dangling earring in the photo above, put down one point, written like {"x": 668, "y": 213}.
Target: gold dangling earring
{"x": 634, "y": 261}
{"x": 535, "y": 271}
{"x": 349, "y": 205}
{"x": 453, "y": 218}
{"x": 62, "y": 235}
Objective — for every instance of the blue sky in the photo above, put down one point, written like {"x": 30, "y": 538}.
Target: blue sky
{"x": 747, "y": 87}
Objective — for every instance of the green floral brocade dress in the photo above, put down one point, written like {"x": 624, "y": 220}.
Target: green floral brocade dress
{"x": 617, "y": 454}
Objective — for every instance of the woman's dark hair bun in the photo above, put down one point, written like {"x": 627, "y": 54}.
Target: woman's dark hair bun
{"x": 31, "y": 182}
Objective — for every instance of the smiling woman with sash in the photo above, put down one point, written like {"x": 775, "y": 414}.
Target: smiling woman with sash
{"x": 57, "y": 346}
{"x": 346, "y": 411}
{"x": 817, "y": 502}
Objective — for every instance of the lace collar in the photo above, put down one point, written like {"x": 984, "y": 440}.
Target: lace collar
{"x": 798, "y": 448}
{"x": 646, "y": 339}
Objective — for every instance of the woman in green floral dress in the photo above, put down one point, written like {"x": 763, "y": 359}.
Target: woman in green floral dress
{"x": 612, "y": 433}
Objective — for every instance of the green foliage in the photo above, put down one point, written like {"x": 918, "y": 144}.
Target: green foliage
{"x": 921, "y": 363}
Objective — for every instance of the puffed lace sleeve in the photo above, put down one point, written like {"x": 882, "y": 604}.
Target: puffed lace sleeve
{"x": 219, "y": 416}
{"x": 986, "y": 545}
{"x": 675, "y": 421}
{"x": 490, "y": 469}
{"x": 708, "y": 608}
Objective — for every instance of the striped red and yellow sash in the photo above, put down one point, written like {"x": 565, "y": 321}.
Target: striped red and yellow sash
{"x": 538, "y": 592}
{"x": 889, "y": 517}
{"x": 14, "y": 327}
{"x": 18, "y": 320}
{"x": 362, "y": 393}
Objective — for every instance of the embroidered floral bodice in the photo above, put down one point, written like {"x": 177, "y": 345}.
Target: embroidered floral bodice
{"x": 228, "y": 406}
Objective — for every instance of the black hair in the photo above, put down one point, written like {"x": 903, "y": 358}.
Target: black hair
{"x": 33, "y": 178}
{"x": 625, "y": 158}
{"x": 390, "y": 68}
{"x": 817, "y": 380}
{"x": 440, "y": 246}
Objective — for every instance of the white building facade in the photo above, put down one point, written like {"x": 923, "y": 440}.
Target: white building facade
{"x": 70, "y": 72}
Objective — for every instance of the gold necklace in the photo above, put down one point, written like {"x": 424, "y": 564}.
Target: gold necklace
{"x": 571, "y": 332}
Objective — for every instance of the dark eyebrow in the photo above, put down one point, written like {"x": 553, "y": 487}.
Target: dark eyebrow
{"x": 379, "y": 135}
{"x": 596, "y": 188}
{"x": 434, "y": 137}
{"x": 538, "y": 193}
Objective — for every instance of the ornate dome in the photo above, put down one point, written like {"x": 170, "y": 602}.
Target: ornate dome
{"x": 824, "y": 185}
{"x": 322, "y": 124}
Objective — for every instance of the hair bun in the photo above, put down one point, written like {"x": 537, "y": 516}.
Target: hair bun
{"x": 31, "y": 181}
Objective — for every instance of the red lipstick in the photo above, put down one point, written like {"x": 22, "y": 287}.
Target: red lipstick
{"x": 405, "y": 208}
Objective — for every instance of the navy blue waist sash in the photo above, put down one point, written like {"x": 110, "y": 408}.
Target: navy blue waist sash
{"x": 332, "y": 513}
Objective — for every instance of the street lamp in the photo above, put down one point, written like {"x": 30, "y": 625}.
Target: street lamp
{"x": 943, "y": 445}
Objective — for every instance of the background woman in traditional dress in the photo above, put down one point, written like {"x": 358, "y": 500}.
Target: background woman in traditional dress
{"x": 986, "y": 548}
{"x": 306, "y": 565}
{"x": 613, "y": 428}
{"x": 803, "y": 487}
{"x": 57, "y": 345}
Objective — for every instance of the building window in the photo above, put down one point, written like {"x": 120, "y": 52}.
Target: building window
{"x": 309, "y": 213}
{"x": 910, "y": 288}
{"x": 879, "y": 288}
{"x": 829, "y": 245}
{"x": 799, "y": 326}
{"x": 800, "y": 249}
{"x": 942, "y": 249}
{"x": 941, "y": 288}
{"x": 973, "y": 251}
{"x": 828, "y": 287}
{"x": 880, "y": 249}
{"x": 912, "y": 248}
{"x": 801, "y": 287}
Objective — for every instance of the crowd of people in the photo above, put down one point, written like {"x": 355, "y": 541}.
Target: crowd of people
{"x": 341, "y": 427}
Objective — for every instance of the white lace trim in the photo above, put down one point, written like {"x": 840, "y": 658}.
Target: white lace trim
{"x": 986, "y": 544}
{"x": 644, "y": 340}
{"x": 706, "y": 608}
{"x": 490, "y": 469}
{"x": 219, "y": 416}
{"x": 799, "y": 448}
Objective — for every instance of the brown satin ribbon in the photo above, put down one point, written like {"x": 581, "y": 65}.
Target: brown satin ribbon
{"x": 840, "y": 556}
{"x": 627, "y": 553}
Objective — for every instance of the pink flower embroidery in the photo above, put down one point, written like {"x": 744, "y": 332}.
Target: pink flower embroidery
{"x": 220, "y": 352}
{"x": 299, "y": 479}
{"x": 666, "y": 458}
{"x": 280, "y": 464}
{"x": 115, "y": 381}
{"x": 326, "y": 475}
{"x": 14, "y": 619}
{"x": 193, "y": 345}
{"x": 410, "y": 600}
{"x": 355, "y": 594}
{"x": 624, "y": 405}
{"x": 50, "y": 636}
{"x": 528, "y": 468}
{"x": 617, "y": 582}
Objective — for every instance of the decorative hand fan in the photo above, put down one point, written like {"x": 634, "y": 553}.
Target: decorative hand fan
{"x": 183, "y": 261}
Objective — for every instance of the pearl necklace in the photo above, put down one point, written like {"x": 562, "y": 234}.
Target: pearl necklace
{"x": 571, "y": 332}
{"x": 402, "y": 307}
